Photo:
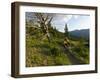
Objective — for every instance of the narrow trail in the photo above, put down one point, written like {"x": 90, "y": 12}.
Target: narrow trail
{"x": 72, "y": 58}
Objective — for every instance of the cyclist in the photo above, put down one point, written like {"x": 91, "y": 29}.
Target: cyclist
{"x": 66, "y": 43}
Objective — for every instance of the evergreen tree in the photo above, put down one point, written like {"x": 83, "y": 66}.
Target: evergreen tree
{"x": 66, "y": 30}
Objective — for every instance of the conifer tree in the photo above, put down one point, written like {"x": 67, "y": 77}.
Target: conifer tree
{"x": 66, "y": 30}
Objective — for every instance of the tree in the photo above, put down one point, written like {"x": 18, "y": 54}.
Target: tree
{"x": 66, "y": 31}
{"x": 45, "y": 21}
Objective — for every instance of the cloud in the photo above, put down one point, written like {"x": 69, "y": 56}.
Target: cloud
{"x": 59, "y": 21}
{"x": 76, "y": 16}
{"x": 67, "y": 18}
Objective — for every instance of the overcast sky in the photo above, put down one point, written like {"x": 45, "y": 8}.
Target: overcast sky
{"x": 74, "y": 22}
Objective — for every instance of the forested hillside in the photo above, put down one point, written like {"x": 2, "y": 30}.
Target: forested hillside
{"x": 45, "y": 46}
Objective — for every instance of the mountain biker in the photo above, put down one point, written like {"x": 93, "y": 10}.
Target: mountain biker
{"x": 66, "y": 43}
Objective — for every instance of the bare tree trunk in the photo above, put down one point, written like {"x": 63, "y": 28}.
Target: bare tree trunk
{"x": 44, "y": 22}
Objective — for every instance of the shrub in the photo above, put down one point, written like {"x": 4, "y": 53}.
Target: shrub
{"x": 62, "y": 59}
{"x": 55, "y": 50}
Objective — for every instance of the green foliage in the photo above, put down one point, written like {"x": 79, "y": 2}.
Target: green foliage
{"x": 62, "y": 59}
{"x": 55, "y": 50}
{"x": 82, "y": 52}
{"x": 39, "y": 52}
{"x": 66, "y": 30}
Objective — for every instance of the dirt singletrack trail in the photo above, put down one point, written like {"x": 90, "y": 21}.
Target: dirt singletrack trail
{"x": 72, "y": 58}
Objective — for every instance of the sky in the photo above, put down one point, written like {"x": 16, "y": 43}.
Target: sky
{"x": 73, "y": 21}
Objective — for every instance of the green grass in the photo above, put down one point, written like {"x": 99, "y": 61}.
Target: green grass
{"x": 81, "y": 51}
{"x": 44, "y": 53}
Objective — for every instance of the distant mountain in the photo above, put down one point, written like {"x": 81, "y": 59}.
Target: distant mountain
{"x": 84, "y": 33}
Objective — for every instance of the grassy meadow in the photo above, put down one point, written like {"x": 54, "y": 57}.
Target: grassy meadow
{"x": 41, "y": 52}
